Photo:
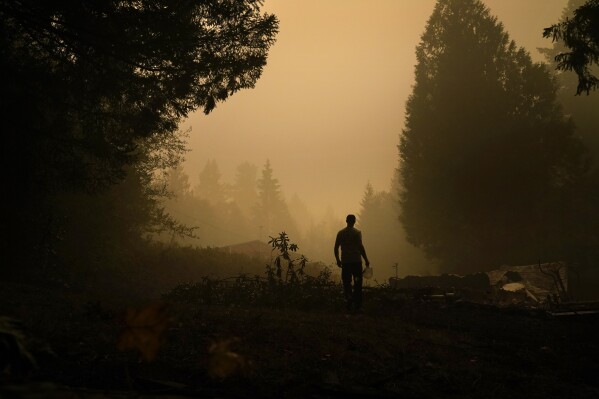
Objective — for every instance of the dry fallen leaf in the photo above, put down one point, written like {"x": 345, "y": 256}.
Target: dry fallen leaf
{"x": 224, "y": 361}
{"x": 144, "y": 330}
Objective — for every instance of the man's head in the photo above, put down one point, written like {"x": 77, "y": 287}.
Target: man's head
{"x": 351, "y": 220}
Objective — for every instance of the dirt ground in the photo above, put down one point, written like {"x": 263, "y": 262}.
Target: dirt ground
{"x": 393, "y": 348}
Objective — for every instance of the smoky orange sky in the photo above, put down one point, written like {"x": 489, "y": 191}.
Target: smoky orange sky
{"x": 329, "y": 107}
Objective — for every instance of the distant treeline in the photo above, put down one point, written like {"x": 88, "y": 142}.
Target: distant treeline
{"x": 253, "y": 207}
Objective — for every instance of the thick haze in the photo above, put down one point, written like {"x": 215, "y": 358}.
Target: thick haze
{"x": 329, "y": 107}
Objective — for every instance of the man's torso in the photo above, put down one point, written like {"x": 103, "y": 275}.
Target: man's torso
{"x": 350, "y": 241}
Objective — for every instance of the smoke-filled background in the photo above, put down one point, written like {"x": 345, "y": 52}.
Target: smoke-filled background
{"x": 321, "y": 129}
{"x": 329, "y": 107}
{"x": 444, "y": 126}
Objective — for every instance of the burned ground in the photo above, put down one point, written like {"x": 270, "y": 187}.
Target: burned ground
{"x": 397, "y": 346}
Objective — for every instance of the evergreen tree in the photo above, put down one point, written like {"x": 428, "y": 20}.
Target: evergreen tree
{"x": 210, "y": 187}
{"x": 301, "y": 213}
{"x": 368, "y": 200}
{"x": 374, "y": 223}
{"x": 177, "y": 182}
{"x": 320, "y": 238}
{"x": 486, "y": 155}
{"x": 244, "y": 189}
{"x": 271, "y": 213}
{"x": 216, "y": 219}
{"x": 384, "y": 237}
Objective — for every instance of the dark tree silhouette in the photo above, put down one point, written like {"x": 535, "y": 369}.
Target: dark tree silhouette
{"x": 486, "y": 153}
{"x": 582, "y": 109}
{"x": 580, "y": 34}
{"x": 86, "y": 84}
{"x": 82, "y": 81}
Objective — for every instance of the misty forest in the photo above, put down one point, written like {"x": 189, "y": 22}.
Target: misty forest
{"x": 139, "y": 261}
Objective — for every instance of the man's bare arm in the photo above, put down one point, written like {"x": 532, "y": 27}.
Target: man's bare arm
{"x": 336, "y": 250}
{"x": 363, "y": 252}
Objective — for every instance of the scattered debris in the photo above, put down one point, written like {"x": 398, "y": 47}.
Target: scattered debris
{"x": 445, "y": 281}
{"x": 541, "y": 286}
{"x": 569, "y": 309}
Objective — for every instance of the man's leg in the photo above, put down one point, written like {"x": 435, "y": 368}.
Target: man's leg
{"x": 357, "y": 294}
{"x": 346, "y": 276}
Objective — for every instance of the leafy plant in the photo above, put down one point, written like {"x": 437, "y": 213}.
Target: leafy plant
{"x": 286, "y": 284}
{"x": 295, "y": 267}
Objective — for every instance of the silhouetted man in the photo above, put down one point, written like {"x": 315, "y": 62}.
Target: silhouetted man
{"x": 352, "y": 251}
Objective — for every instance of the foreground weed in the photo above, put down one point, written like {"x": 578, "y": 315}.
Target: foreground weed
{"x": 144, "y": 330}
{"x": 286, "y": 284}
{"x": 225, "y": 361}
{"x": 294, "y": 272}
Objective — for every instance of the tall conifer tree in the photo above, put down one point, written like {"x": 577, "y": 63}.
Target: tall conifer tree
{"x": 210, "y": 187}
{"x": 486, "y": 155}
{"x": 244, "y": 190}
{"x": 271, "y": 212}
